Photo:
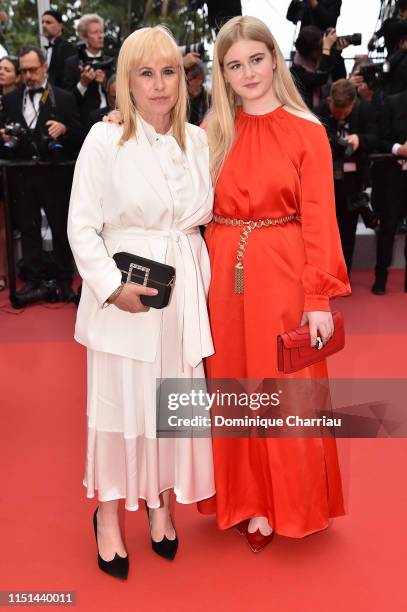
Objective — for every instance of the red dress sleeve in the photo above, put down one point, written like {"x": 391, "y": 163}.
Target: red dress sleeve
{"x": 325, "y": 275}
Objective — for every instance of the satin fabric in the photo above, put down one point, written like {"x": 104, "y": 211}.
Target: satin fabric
{"x": 280, "y": 164}
{"x": 146, "y": 197}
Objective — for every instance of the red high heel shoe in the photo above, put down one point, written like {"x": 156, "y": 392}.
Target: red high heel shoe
{"x": 242, "y": 526}
{"x": 257, "y": 541}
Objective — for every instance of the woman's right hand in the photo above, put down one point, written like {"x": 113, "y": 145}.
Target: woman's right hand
{"x": 328, "y": 40}
{"x": 114, "y": 116}
{"x": 129, "y": 300}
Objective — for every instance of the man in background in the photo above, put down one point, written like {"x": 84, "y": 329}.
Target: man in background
{"x": 58, "y": 49}
{"x": 83, "y": 75}
{"x": 351, "y": 128}
{"x": 393, "y": 207}
{"x": 52, "y": 132}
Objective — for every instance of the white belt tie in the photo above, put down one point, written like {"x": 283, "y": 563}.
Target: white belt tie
{"x": 189, "y": 335}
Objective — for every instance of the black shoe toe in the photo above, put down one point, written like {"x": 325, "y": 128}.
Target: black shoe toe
{"x": 166, "y": 548}
{"x": 68, "y": 294}
{"x": 379, "y": 288}
{"x": 118, "y": 567}
{"x": 31, "y": 293}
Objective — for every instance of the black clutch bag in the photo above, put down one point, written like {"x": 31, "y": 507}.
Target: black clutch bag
{"x": 149, "y": 273}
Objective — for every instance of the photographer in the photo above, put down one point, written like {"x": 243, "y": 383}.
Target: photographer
{"x": 41, "y": 120}
{"x": 58, "y": 49}
{"x": 99, "y": 113}
{"x": 320, "y": 13}
{"x": 316, "y": 63}
{"x": 396, "y": 78}
{"x": 86, "y": 73}
{"x": 367, "y": 77}
{"x": 393, "y": 206}
{"x": 351, "y": 128}
{"x": 199, "y": 99}
{"x": 393, "y": 29}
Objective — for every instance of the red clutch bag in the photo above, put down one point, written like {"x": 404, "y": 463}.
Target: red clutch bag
{"x": 294, "y": 350}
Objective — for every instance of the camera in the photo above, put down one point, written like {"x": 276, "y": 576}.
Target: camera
{"x": 194, "y": 48}
{"x": 20, "y": 144}
{"x": 360, "y": 203}
{"x": 341, "y": 150}
{"x": 373, "y": 74}
{"x": 17, "y": 134}
{"x": 97, "y": 63}
{"x": 51, "y": 149}
{"x": 351, "y": 39}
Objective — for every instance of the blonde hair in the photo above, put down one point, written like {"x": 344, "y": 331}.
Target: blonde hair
{"x": 220, "y": 122}
{"x": 139, "y": 48}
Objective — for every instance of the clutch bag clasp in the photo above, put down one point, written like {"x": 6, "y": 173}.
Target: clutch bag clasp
{"x": 134, "y": 266}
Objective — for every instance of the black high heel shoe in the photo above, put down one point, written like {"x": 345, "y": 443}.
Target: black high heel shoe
{"x": 118, "y": 566}
{"x": 165, "y": 548}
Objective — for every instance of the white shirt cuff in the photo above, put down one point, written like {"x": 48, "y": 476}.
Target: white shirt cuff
{"x": 82, "y": 89}
{"x": 395, "y": 148}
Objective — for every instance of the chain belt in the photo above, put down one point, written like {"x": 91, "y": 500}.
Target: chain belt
{"x": 247, "y": 228}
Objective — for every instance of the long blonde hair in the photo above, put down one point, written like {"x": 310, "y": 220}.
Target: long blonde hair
{"x": 220, "y": 122}
{"x": 138, "y": 49}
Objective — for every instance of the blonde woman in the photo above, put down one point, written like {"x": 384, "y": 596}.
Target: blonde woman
{"x": 271, "y": 161}
{"x": 144, "y": 188}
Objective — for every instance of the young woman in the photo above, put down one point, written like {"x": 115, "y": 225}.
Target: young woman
{"x": 271, "y": 161}
{"x": 143, "y": 188}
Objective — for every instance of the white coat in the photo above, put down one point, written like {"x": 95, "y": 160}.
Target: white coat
{"x": 120, "y": 201}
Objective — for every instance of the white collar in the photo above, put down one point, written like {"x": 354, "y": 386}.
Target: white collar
{"x": 150, "y": 132}
{"x": 89, "y": 54}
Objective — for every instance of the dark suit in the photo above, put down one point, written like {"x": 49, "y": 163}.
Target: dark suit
{"x": 47, "y": 187}
{"x": 393, "y": 206}
{"x": 396, "y": 80}
{"x": 362, "y": 121}
{"x": 97, "y": 115}
{"x": 393, "y": 30}
{"x": 61, "y": 50}
{"x": 323, "y": 16}
{"x": 219, "y": 12}
{"x": 91, "y": 100}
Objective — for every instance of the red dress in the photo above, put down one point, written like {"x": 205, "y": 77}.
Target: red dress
{"x": 280, "y": 164}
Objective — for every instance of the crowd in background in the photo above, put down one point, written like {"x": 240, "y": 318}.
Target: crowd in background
{"x": 51, "y": 97}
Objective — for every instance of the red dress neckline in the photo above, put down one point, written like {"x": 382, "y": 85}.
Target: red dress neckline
{"x": 240, "y": 111}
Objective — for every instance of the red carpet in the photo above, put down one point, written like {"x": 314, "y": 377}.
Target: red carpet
{"x": 47, "y": 541}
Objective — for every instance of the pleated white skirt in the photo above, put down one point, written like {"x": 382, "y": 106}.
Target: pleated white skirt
{"x": 124, "y": 459}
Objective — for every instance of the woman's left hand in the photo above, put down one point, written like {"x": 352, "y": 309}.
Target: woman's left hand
{"x": 114, "y": 116}
{"x": 320, "y": 324}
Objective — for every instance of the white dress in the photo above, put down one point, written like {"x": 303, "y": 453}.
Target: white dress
{"x": 124, "y": 459}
